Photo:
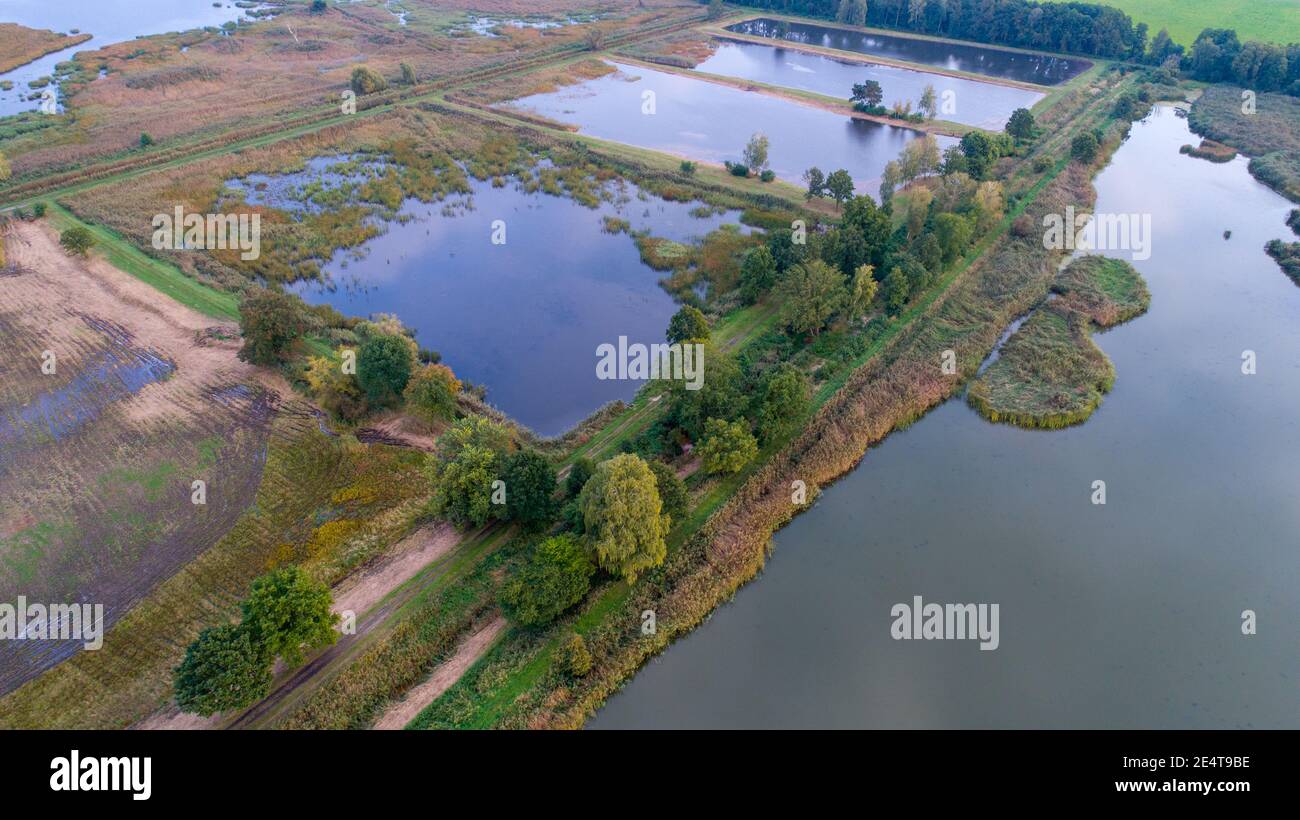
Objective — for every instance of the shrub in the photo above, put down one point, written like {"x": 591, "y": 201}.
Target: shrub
{"x": 224, "y": 669}
{"x": 767, "y": 175}
{"x": 384, "y": 368}
{"x": 1084, "y": 147}
{"x": 530, "y": 485}
{"x": 270, "y": 323}
{"x": 576, "y": 656}
{"x": 688, "y": 324}
{"x": 728, "y": 446}
{"x": 579, "y": 472}
{"x": 365, "y": 80}
{"x": 38, "y": 210}
{"x": 77, "y": 240}
{"x": 556, "y": 576}
{"x": 688, "y": 167}
{"x": 146, "y": 140}
{"x": 672, "y": 491}
{"x": 431, "y": 393}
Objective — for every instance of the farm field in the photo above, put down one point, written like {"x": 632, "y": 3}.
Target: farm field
{"x": 1272, "y": 21}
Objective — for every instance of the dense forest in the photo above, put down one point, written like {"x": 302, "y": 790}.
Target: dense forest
{"x": 1076, "y": 28}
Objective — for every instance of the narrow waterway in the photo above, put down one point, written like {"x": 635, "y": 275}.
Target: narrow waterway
{"x": 1127, "y": 614}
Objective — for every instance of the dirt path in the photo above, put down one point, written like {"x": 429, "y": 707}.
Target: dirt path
{"x": 444, "y": 675}
{"x": 358, "y": 593}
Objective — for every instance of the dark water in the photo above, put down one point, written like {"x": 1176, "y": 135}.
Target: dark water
{"x": 109, "y": 21}
{"x": 711, "y": 122}
{"x": 523, "y": 318}
{"x": 984, "y": 105}
{"x": 993, "y": 62}
{"x": 1123, "y": 615}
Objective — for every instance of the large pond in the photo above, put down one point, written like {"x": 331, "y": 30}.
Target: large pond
{"x": 1044, "y": 69}
{"x": 984, "y": 105}
{"x": 712, "y": 122}
{"x": 108, "y": 21}
{"x": 523, "y": 318}
{"x": 1122, "y": 615}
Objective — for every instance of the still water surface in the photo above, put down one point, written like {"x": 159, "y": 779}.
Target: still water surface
{"x": 712, "y": 122}
{"x": 1123, "y": 615}
{"x": 984, "y": 105}
{"x": 1044, "y": 69}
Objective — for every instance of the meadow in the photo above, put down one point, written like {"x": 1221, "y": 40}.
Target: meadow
{"x": 1273, "y": 21}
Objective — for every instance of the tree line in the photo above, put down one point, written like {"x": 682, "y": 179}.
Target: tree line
{"x": 1217, "y": 54}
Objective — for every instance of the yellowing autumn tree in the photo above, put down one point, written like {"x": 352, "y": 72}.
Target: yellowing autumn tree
{"x": 624, "y": 518}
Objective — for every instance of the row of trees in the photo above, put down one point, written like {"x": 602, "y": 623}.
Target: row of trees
{"x": 1217, "y": 54}
{"x": 1082, "y": 28}
{"x": 868, "y": 98}
{"x": 285, "y": 615}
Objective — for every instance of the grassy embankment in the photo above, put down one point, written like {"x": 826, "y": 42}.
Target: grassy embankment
{"x": 1050, "y": 373}
{"x": 723, "y": 542}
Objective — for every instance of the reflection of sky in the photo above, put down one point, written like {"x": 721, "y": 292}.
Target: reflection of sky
{"x": 523, "y": 318}
{"x": 1122, "y": 616}
{"x": 712, "y": 122}
{"x": 985, "y": 105}
{"x": 108, "y": 21}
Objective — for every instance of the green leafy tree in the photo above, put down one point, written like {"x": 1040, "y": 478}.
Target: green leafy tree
{"x": 928, "y": 105}
{"x": 755, "y": 154}
{"x": 1084, "y": 148}
{"x": 270, "y": 322}
{"x": 785, "y": 398}
{"x": 980, "y": 153}
{"x": 623, "y": 517}
{"x": 431, "y": 393}
{"x": 897, "y": 290}
{"x": 579, "y": 472}
{"x": 288, "y": 613}
{"x": 672, "y": 491}
{"x": 77, "y": 240}
{"x": 757, "y": 274}
{"x": 530, "y": 485}
{"x": 816, "y": 182}
{"x": 384, "y": 368}
{"x": 408, "y": 74}
{"x": 868, "y": 94}
{"x": 840, "y": 186}
{"x": 225, "y": 669}
{"x": 864, "y": 290}
{"x": 809, "y": 294}
{"x": 954, "y": 234}
{"x": 556, "y": 576}
{"x": 146, "y": 140}
{"x": 471, "y": 455}
{"x": 687, "y": 325}
{"x": 317, "y": 6}
{"x": 365, "y": 80}
{"x": 1021, "y": 126}
{"x": 722, "y": 395}
{"x": 727, "y": 447}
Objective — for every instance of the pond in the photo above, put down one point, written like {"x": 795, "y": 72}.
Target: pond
{"x": 523, "y": 318}
{"x": 109, "y": 21}
{"x": 1028, "y": 67}
{"x": 708, "y": 121}
{"x": 1122, "y": 615}
{"x": 983, "y": 105}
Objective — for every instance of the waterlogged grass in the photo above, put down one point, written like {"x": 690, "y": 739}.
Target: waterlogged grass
{"x": 1050, "y": 373}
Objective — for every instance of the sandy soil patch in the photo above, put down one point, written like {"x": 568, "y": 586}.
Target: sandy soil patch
{"x": 358, "y": 593}
{"x": 444, "y": 675}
